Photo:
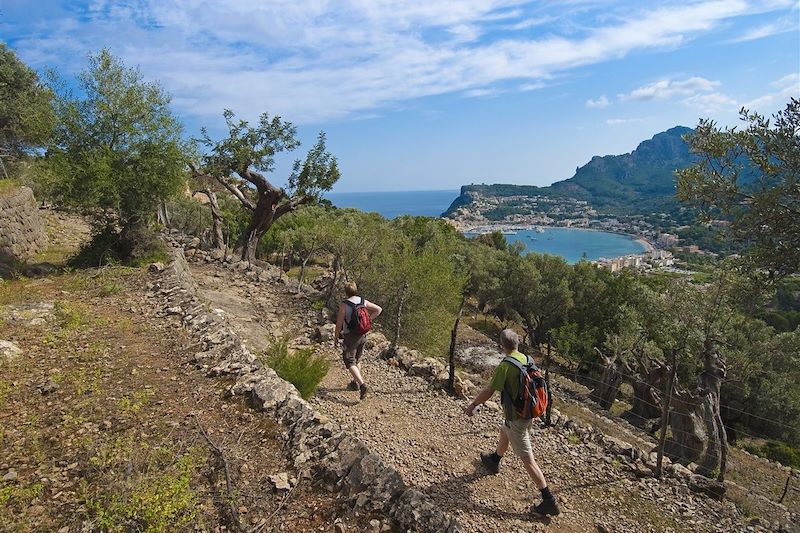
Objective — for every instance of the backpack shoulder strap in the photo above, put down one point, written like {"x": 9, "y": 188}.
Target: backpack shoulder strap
{"x": 348, "y": 302}
{"x": 514, "y": 362}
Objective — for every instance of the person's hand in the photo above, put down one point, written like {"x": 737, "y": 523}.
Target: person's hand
{"x": 469, "y": 411}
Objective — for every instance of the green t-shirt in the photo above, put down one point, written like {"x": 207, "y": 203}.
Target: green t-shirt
{"x": 508, "y": 373}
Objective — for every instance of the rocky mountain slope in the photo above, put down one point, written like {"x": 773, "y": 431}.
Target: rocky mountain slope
{"x": 643, "y": 178}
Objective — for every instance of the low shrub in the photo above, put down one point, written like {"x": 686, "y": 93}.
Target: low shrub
{"x": 108, "y": 248}
{"x": 784, "y": 453}
{"x": 303, "y": 368}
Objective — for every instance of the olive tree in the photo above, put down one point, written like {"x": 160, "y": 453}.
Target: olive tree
{"x": 751, "y": 176}
{"x": 26, "y": 112}
{"x": 241, "y": 162}
{"x": 117, "y": 149}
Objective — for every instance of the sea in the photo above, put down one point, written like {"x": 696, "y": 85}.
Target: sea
{"x": 573, "y": 244}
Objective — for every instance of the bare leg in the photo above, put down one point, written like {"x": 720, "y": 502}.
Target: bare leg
{"x": 534, "y": 471}
{"x": 502, "y": 444}
{"x": 356, "y": 373}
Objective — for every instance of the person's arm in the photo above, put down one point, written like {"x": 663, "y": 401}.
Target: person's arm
{"x": 339, "y": 324}
{"x": 482, "y": 397}
{"x": 497, "y": 383}
{"x": 374, "y": 310}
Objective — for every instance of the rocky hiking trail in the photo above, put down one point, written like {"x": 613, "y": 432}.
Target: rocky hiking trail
{"x": 423, "y": 433}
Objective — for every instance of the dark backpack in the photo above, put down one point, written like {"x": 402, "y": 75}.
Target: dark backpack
{"x": 360, "y": 320}
{"x": 531, "y": 402}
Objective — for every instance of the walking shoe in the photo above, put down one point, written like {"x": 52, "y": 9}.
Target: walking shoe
{"x": 548, "y": 507}
{"x": 491, "y": 462}
{"x": 352, "y": 386}
{"x": 363, "y": 393}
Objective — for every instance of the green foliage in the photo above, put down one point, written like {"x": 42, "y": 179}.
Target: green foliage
{"x": 107, "y": 245}
{"x": 247, "y": 154}
{"x": 752, "y": 178}
{"x": 158, "y": 500}
{"x": 303, "y": 368}
{"x": 19, "y": 496}
{"x": 495, "y": 239}
{"x": 781, "y": 452}
{"x": 26, "y": 112}
{"x": 117, "y": 151}
{"x": 71, "y": 315}
{"x": 7, "y": 186}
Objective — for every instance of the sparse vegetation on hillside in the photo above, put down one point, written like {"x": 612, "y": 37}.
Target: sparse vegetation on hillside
{"x": 302, "y": 368}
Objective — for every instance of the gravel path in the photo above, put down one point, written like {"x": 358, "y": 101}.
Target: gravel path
{"x": 424, "y": 434}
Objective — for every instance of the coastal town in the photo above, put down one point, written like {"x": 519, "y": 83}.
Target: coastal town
{"x": 512, "y": 214}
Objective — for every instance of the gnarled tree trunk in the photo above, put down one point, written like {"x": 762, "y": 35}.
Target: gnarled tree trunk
{"x": 687, "y": 442}
{"x": 216, "y": 219}
{"x": 647, "y": 394}
{"x": 715, "y": 458}
{"x": 606, "y": 391}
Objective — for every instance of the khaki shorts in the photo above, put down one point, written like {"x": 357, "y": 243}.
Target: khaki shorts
{"x": 519, "y": 436}
{"x": 352, "y": 348}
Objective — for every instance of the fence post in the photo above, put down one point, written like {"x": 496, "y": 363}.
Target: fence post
{"x": 786, "y": 488}
{"x": 451, "y": 378}
{"x": 547, "y": 380}
{"x": 662, "y": 438}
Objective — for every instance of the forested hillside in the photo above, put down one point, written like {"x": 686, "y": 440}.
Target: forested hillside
{"x": 641, "y": 180}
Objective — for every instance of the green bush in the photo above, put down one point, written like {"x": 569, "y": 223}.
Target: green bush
{"x": 784, "y": 453}
{"x": 108, "y": 248}
{"x": 303, "y": 368}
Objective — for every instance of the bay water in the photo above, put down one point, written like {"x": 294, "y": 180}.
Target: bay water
{"x": 572, "y": 244}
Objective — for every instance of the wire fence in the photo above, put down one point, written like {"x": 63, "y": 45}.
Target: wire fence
{"x": 633, "y": 378}
{"x": 660, "y": 407}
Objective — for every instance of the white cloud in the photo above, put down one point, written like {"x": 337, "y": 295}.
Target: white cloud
{"x": 768, "y": 30}
{"x": 316, "y": 60}
{"x": 784, "y": 88}
{"x": 665, "y": 89}
{"x": 620, "y": 121}
{"x": 600, "y": 103}
{"x": 711, "y": 102}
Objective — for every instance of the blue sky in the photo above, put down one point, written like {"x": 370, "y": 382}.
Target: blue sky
{"x": 420, "y": 94}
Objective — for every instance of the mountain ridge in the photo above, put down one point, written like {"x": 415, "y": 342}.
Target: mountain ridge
{"x": 641, "y": 178}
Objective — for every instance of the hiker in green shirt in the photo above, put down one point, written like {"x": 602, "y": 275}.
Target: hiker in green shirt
{"x": 515, "y": 430}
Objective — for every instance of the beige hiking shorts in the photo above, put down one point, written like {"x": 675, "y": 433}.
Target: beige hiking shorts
{"x": 519, "y": 436}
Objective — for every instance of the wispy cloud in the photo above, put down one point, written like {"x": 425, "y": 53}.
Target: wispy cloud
{"x": 711, "y": 102}
{"x": 783, "y": 89}
{"x": 599, "y": 103}
{"x": 776, "y": 27}
{"x": 314, "y": 61}
{"x": 621, "y": 121}
{"x": 664, "y": 89}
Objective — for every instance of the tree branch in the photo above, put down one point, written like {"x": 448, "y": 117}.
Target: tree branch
{"x": 256, "y": 178}
{"x": 228, "y": 484}
{"x": 225, "y": 182}
{"x": 292, "y": 204}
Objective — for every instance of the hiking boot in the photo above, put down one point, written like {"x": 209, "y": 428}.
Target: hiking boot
{"x": 491, "y": 461}
{"x": 353, "y": 386}
{"x": 548, "y": 507}
{"x": 363, "y": 393}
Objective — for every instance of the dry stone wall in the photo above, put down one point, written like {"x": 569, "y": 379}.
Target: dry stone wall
{"x": 319, "y": 447}
{"x": 22, "y": 232}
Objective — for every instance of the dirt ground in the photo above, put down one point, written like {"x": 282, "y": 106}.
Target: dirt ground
{"x": 102, "y": 421}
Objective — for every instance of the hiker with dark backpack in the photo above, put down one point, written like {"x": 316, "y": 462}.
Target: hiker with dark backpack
{"x": 524, "y": 397}
{"x": 353, "y": 322}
